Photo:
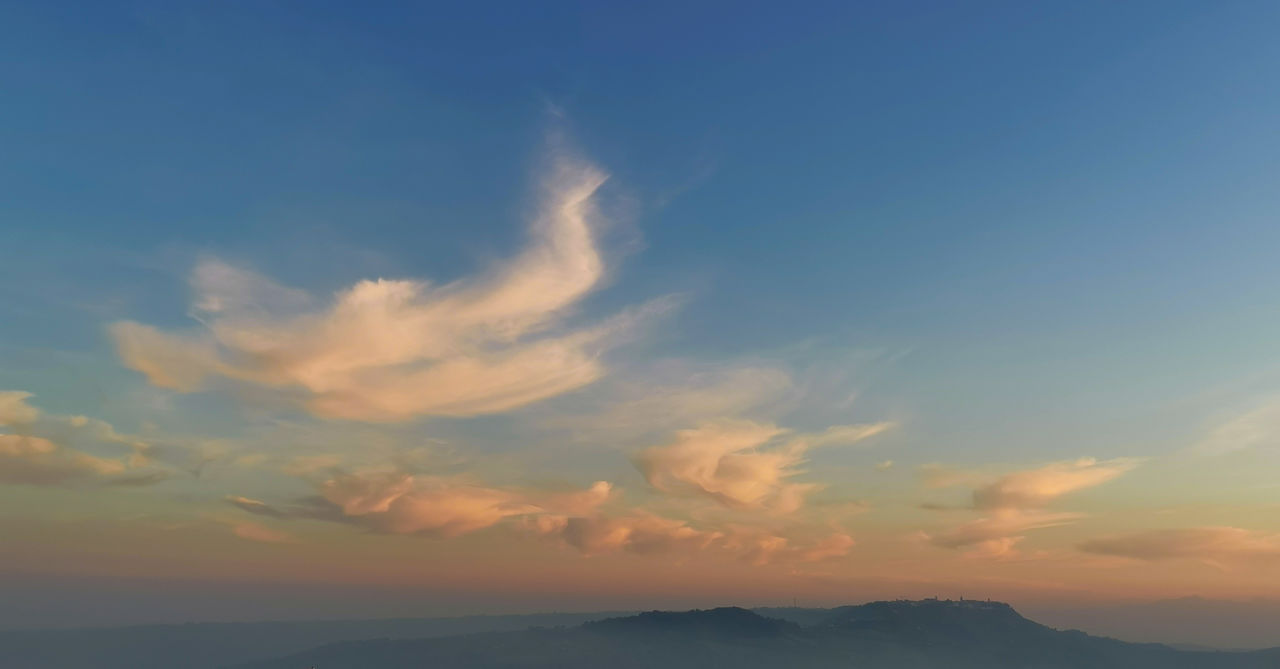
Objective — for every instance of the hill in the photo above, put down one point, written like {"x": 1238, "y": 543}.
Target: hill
{"x": 924, "y": 634}
{"x": 213, "y": 645}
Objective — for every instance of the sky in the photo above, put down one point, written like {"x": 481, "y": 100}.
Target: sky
{"x": 315, "y": 309}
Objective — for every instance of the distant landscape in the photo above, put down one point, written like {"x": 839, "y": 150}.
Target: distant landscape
{"x": 900, "y": 634}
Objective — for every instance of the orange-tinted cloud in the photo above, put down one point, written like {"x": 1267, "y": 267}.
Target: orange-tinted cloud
{"x": 645, "y": 533}
{"x": 997, "y": 534}
{"x": 400, "y": 503}
{"x": 738, "y": 463}
{"x": 1037, "y": 487}
{"x": 1214, "y": 545}
{"x": 639, "y": 532}
{"x": 37, "y": 456}
{"x": 761, "y": 547}
{"x": 37, "y": 461}
{"x": 1013, "y": 503}
{"x": 390, "y": 350}
{"x": 14, "y": 409}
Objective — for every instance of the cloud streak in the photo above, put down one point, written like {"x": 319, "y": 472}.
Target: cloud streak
{"x": 394, "y": 502}
{"x": 1013, "y": 504}
{"x": 1257, "y": 428}
{"x": 1218, "y": 546}
{"x": 1038, "y": 487}
{"x": 641, "y": 532}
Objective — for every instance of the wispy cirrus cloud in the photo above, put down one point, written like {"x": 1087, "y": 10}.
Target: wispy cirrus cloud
{"x": 673, "y": 394}
{"x": 997, "y": 534}
{"x": 1013, "y": 504}
{"x": 398, "y": 503}
{"x": 742, "y": 464}
{"x": 1259, "y": 427}
{"x": 393, "y": 350}
{"x": 1037, "y": 487}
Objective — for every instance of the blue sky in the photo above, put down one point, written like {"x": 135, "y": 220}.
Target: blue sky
{"x": 1023, "y": 233}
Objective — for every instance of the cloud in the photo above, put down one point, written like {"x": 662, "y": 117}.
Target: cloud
{"x": 310, "y": 508}
{"x": 1013, "y": 504}
{"x": 442, "y": 510}
{"x": 39, "y": 455}
{"x": 997, "y": 534}
{"x": 393, "y": 350}
{"x": 32, "y": 460}
{"x": 578, "y": 502}
{"x": 399, "y": 503}
{"x": 833, "y": 546}
{"x": 1037, "y": 487}
{"x": 14, "y": 409}
{"x": 1213, "y": 545}
{"x": 644, "y": 533}
{"x": 256, "y": 506}
{"x": 640, "y": 532}
{"x": 760, "y": 548}
{"x": 731, "y": 461}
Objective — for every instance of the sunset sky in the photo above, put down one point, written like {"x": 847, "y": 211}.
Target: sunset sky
{"x": 315, "y": 309}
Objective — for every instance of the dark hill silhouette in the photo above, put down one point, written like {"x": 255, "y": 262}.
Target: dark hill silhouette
{"x": 925, "y": 634}
{"x": 213, "y": 645}
{"x": 722, "y": 623}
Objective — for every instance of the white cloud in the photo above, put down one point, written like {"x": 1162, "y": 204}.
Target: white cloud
{"x": 390, "y": 350}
